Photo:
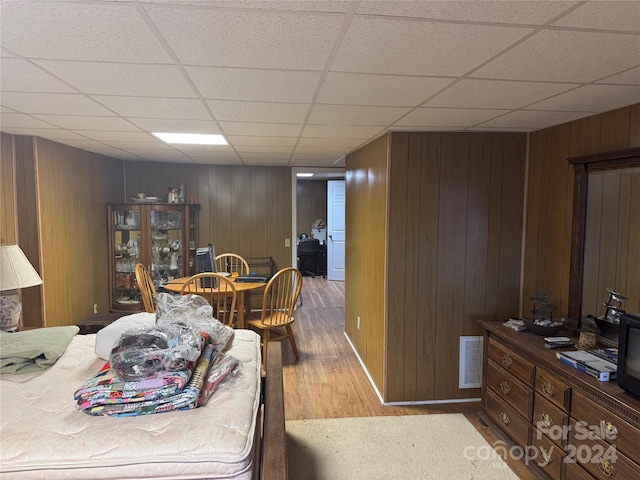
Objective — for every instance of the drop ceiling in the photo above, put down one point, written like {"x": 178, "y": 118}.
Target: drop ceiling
{"x": 304, "y": 83}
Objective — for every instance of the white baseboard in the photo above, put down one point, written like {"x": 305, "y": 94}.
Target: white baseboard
{"x": 391, "y": 404}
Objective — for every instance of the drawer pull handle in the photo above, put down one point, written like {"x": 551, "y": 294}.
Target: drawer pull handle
{"x": 504, "y": 386}
{"x": 548, "y": 389}
{"x": 609, "y": 429}
{"x": 545, "y": 420}
{"x": 505, "y": 418}
{"x": 607, "y": 468}
{"x": 507, "y": 360}
{"x": 546, "y": 456}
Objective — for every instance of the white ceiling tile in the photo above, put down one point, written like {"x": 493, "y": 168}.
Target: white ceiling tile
{"x": 447, "y": 117}
{"x": 337, "y": 151}
{"x": 266, "y": 141}
{"x": 154, "y": 107}
{"x": 109, "y": 135}
{"x": 79, "y": 31}
{"x": 20, "y": 120}
{"x": 355, "y": 115}
{"x": 155, "y": 153}
{"x": 630, "y": 77}
{"x": 533, "y": 120}
{"x": 515, "y": 12}
{"x": 606, "y": 15}
{"x": 591, "y": 98}
{"x": 186, "y": 148}
{"x": 17, "y": 75}
{"x": 315, "y": 160}
{"x": 260, "y": 112}
{"x": 294, "y": 5}
{"x": 495, "y": 94}
{"x": 366, "y": 89}
{"x": 253, "y": 39}
{"x": 374, "y": 46}
{"x": 122, "y": 78}
{"x": 261, "y": 129}
{"x": 254, "y": 85}
{"x": 566, "y": 56}
{"x": 343, "y": 131}
{"x": 176, "y": 125}
{"x": 78, "y": 122}
{"x": 329, "y": 142}
{"x": 267, "y": 150}
{"x": 53, "y": 103}
{"x": 59, "y": 134}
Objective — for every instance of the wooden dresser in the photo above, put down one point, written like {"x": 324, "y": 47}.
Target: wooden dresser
{"x": 563, "y": 423}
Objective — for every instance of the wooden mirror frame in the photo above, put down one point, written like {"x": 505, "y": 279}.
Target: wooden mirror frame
{"x": 582, "y": 166}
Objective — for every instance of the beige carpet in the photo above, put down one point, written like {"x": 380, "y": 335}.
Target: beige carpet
{"x": 414, "y": 447}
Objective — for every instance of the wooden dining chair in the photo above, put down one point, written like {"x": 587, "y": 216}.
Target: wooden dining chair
{"x": 231, "y": 262}
{"x": 219, "y": 291}
{"x": 147, "y": 288}
{"x": 278, "y": 304}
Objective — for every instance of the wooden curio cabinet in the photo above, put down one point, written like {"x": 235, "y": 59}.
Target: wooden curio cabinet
{"x": 161, "y": 236}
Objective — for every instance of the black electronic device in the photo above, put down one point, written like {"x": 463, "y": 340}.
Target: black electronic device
{"x": 206, "y": 263}
{"x": 629, "y": 354}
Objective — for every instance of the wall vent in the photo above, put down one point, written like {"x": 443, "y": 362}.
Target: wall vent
{"x": 470, "y": 362}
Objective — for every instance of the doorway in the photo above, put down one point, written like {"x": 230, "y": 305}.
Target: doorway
{"x": 305, "y": 204}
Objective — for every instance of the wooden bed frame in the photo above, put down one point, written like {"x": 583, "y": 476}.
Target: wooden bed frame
{"x": 273, "y": 464}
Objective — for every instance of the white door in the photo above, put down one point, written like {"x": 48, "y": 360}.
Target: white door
{"x": 336, "y": 229}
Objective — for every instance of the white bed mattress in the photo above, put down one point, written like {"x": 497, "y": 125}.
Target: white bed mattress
{"x": 42, "y": 435}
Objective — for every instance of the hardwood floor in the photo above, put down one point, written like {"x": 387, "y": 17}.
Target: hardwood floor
{"x": 329, "y": 382}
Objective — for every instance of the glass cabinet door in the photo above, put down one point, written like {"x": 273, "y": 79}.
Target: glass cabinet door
{"x": 167, "y": 244}
{"x": 127, "y": 252}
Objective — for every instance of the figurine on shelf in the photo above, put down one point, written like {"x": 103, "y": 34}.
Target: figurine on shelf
{"x": 172, "y": 196}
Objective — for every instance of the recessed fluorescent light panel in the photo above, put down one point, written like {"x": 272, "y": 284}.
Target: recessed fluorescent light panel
{"x": 191, "y": 138}
{"x": 304, "y": 174}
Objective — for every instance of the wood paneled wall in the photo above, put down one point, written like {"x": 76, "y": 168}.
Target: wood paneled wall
{"x": 311, "y": 203}
{"x": 74, "y": 187}
{"x": 366, "y": 182}
{"x": 58, "y": 212}
{"x": 549, "y": 200}
{"x": 8, "y": 226}
{"x": 244, "y": 210}
{"x": 453, "y": 206}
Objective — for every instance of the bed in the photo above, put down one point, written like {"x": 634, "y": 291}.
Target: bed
{"x": 238, "y": 435}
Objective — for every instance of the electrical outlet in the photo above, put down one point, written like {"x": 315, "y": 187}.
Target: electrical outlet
{"x": 358, "y": 322}
{"x": 287, "y": 242}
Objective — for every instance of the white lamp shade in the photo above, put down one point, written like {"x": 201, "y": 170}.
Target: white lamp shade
{"x": 15, "y": 269}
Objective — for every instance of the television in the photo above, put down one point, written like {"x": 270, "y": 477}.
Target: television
{"x": 629, "y": 354}
{"x": 206, "y": 263}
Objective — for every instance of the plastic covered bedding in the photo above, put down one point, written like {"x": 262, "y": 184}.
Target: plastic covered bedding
{"x": 43, "y": 435}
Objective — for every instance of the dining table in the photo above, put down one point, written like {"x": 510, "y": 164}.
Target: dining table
{"x": 175, "y": 285}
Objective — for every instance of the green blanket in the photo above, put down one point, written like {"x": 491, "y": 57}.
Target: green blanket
{"x": 33, "y": 350}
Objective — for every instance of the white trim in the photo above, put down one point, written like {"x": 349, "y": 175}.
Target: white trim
{"x": 364, "y": 368}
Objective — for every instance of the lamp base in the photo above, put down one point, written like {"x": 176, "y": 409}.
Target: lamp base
{"x": 10, "y": 309}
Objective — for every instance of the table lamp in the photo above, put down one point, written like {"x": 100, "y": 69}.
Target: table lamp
{"x": 15, "y": 272}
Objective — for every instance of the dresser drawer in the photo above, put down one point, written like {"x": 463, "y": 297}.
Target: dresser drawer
{"x": 573, "y": 471}
{"x": 550, "y": 420}
{"x": 548, "y": 456}
{"x": 511, "y": 361}
{"x": 599, "y": 458}
{"x": 511, "y": 390}
{"x": 507, "y": 419}
{"x": 552, "y": 389}
{"x": 607, "y": 426}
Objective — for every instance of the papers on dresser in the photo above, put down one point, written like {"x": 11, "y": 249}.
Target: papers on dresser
{"x": 589, "y": 363}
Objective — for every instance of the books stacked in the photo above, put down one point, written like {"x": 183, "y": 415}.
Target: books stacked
{"x": 557, "y": 342}
{"x": 590, "y": 364}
